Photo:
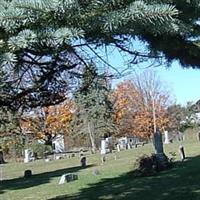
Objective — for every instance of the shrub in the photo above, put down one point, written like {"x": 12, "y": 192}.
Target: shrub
{"x": 12, "y": 146}
{"x": 41, "y": 150}
{"x": 149, "y": 165}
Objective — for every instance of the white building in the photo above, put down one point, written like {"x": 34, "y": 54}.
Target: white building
{"x": 58, "y": 144}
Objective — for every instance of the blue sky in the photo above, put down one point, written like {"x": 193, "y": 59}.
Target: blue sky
{"x": 184, "y": 83}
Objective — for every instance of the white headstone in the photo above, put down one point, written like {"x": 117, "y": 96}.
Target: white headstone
{"x": 118, "y": 147}
{"x": 62, "y": 179}
{"x": 26, "y": 156}
{"x": 47, "y": 160}
{"x": 166, "y": 134}
{"x": 57, "y": 157}
{"x": 103, "y": 146}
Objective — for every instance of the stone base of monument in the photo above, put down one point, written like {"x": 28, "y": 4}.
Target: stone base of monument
{"x": 162, "y": 161}
{"x": 68, "y": 178}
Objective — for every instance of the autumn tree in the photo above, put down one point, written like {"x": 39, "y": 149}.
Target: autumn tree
{"x": 59, "y": 117}
{"x": 155, "y": 99}
{"x": 126, "y": 100}
{"x": 134, "y": 105}
{"x": 142, "y": 109}
{"x": 45, "y": 123}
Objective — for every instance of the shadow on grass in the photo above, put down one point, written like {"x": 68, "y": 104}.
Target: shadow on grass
{"x": 179, "y": 183}
{"x": 36, "y": 179}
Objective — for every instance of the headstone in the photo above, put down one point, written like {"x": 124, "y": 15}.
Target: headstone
{"x": 159, "y": 152}
{"x": 157, "y": 141}
{"x": 68, "y": 178}
{"x": 81, "y": 153}
{"x": 103, "y": 146}
{"x": 47, "y": 160}
{"x": 95, "y": 172}
{"x": 57, "y": 157}
{"x": 62, "y": 179}
{"x": 27, "y": 173}
{"x": 27, "y": 156}
{"x": 1, "y": 157}
{"x": 73, "y": 155}
{"x": 166, "y": 134}
{"x": 103, "y": 159}
{"x": 118, "y": 147}
{"x": 109, "y": 144}
{"x": 182, "y": 152}
{"x": 198, "y": 136}
{"x": 83, "y": 161}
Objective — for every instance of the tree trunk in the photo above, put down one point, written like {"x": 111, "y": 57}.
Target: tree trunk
{"x": 159, "y": 152}
{"x": 92, "y": 139}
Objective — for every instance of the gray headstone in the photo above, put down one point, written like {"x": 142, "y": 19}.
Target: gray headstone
{"x": 182, "y": 152}
{"x": 1, "y": 157}
{"x": 27, "y": 173}
{"x": 103, "y": 159}
{"x": 83, "y": 161}
{"x": 198, "y": 136}
{"x": 157, "y": 141}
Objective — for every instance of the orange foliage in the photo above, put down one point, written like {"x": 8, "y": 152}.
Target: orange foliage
{"x": 133, "y": 113}
{"x": 58, "y": 117}
{"x": 126, "y": 98}
{"x": 51, "y": 120}
{"x": 143, "y": 123}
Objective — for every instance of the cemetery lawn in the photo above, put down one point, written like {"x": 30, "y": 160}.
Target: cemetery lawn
{"x": 111, "y": 182}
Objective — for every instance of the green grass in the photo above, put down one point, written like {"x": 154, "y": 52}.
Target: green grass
{"x": 113, "y": 182}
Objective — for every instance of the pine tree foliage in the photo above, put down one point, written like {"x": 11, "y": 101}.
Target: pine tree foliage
{"x": 9, "y": 122}
{"x": 94, "y": 109}
{"x": 55, "y": 23}
{"x": 44, "y": 43}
